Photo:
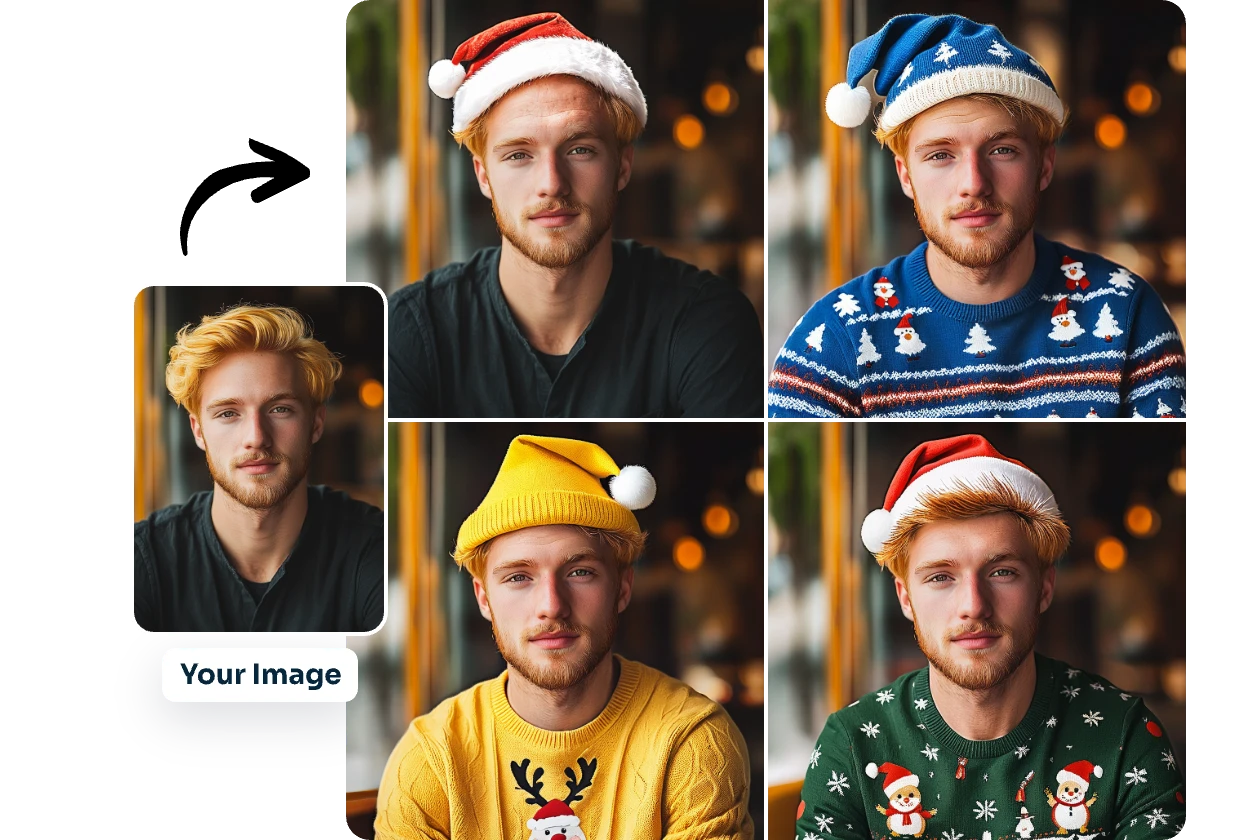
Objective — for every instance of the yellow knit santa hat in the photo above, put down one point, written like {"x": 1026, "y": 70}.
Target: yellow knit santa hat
{"x": 558, "y": 481}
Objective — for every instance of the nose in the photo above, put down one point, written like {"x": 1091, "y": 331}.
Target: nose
{"x": 974, "y": 599}
{"x": 553, "y": 598}
{"x": 553, "y": 175}
{"x": 974, "y": 176}
{"x": 257, "y": 432}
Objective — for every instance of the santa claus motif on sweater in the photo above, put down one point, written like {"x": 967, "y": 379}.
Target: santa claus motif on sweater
{"x": 555, "y": 819}
{"x": 885, "y": 295}
{"x": 1069, "y": 808}
{"x": 906, "y": 817}
{"x": 1065, "y": 327}
{"x": 1074, "y": 270}
{"x": 910, "y": 344}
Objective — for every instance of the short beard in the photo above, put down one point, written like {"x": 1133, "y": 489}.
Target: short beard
{"x": 980, "y": 250}
{"x": 987, "y": 670}
{"x": 561, "y": 675}
{"x": 562, "y": 250}
{"x": 261, "y": 495}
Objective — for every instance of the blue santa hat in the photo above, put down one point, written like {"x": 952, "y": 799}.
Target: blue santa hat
{"x": 924, "y": 60}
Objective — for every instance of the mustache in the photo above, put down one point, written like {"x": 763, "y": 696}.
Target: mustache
{"x": 559, "y": 203}
{"x": 987, "y": 627}
{"x": 554, "y": 627}
{"x": 978, "y": 207}
{"x": 259, "y": 456}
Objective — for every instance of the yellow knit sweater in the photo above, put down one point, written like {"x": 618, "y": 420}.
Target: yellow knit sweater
{"x": 659, "y": 761}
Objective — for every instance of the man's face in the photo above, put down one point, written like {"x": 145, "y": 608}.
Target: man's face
{"x": 552, "y": 594}
{"x": 975, "y": 593}
{"x": 256, "y": 425}
{"x": 552, "y": 170}
{"x": 976, "y": 176}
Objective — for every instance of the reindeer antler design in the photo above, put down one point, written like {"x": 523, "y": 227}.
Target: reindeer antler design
{"x": 575, "y": 786}
{"x": 521, "y": 772}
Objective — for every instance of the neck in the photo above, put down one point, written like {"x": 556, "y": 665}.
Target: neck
{"x": 566, "y": 709}
{"x": 990, "y": 284}
{"x": 990, "y": 713}
{"x": 553, "y": 306}
{"x": 258, "y": 541}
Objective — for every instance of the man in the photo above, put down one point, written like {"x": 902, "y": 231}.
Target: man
{"x": 561, "y": 320}
{"x": 986, "y": 318}
{"x": 571, "y": 741}
{"x": 262, "y": 550}
{"x": 989, "y": 737}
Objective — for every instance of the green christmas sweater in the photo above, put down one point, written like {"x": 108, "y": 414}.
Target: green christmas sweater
{"x": 1088, "y": 760}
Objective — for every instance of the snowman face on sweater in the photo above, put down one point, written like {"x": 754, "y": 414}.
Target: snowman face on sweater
{"x": 906, "y": 799}
{"x": 1072, "y": 792}
{"x": 884, "y": 289}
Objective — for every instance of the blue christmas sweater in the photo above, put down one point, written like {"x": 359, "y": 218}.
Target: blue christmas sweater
{"x": 1083, "y": 338}
{"x": 1088, "y": 760}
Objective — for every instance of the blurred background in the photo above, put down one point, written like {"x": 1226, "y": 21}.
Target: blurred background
{"x": 696, "y": 611}
{"x": 1119, "y": 608}
{"x": 412, "y": 203}
{"x": 350, "y": 320}
{"x": 1119, "y": 186}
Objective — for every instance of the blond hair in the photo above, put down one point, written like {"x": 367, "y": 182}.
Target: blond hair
{"x": 625, "y": 546}
{"x": 626, "y": 125}
{"x": 275, "y": 329}
{"x": 1045, "y": 529}
{"x": 1047, "y": 129}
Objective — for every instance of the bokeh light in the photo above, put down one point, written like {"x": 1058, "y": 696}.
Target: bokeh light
{"x": 371, "y": 394}
{"x": 1141, "y": 521}
{"x": 688, "y": 132}
{"x": 1110, "y": 132}
{"x": 1110, "y": 554}
{"x": 688, "y": 554}
{"x": 720, "y": 521}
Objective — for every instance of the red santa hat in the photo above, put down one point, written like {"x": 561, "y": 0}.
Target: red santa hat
{"x": 897, "y": 778}
{"x": 517, "y": 51}
{"x": 1061, "y": 309}
{"x": 1068, "y": 262}
{"x": 939, "y": 467}
{"x": 1079, "y": 772}
{"x": 555, "y": 814}
{"x": 904, "y": 323}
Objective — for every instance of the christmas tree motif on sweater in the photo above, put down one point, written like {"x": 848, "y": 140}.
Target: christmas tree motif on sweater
{"x": 978, "y": 343}
{"x": 555, "y": 818}
{"x": 1121, "y": 279}
{"x": 1163, "y": 410}
{"x": 910, "y": 344}
{"x": 905, "y": 813}
{"x": 846, "y": 305}
{"x": 813, "y": 341}
{"x": 867, "y": 354}
{"x": 885, "y": 295}
{"x": 945, "y": 52}
{"x": 1074, "y": 270}
{"x": 1106, "y": 327}
{"x": 1065, "y": 327}
{"x": 1069, "y": 808}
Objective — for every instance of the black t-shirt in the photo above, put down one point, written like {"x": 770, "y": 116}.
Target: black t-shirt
{"x": 333, "y": 580}
{"x": 668, "y": 340}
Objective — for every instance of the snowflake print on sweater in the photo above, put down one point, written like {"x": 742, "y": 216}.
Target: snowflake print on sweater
{"x": 1106, "y": 770}
{"x": 906, "y": 350}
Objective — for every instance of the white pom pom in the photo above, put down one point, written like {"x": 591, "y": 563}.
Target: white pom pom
{"x": 876, "y": 529}
{"x": 872, "y": 770}
{"x": 848, "y": 106}
{"x": 445, "y": 78}
{"x": 1097, "y": 771}
{"x": 634, "y": 487}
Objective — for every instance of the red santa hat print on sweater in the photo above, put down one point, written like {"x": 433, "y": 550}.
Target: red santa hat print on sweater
{"x": 939, "y": 467}
{"x": 493, "y": 62}
{"x": 895, "y": 779}
{"x": 1079, "y": 772}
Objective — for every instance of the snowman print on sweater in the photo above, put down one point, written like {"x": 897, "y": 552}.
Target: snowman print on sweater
{"x": 909, "y": 343}
{"x": 1064, "y": 322}
{"x": 1074, "y": 270}
{"x": 555, "y": 820}
{"x": 905, "y": 814}
{"x": 1069, "y": 807}
{"x": 885, "y": 295}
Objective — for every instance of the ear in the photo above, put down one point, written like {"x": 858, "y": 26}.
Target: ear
{"x": 196, "y": 430}
{"x": 903, "y": 175}
{"x": 317, "y": 429}
{"x": 903, "y": 597}
{"x": 623, "y": 172}
{"x": 483, "y": 180}
{"x": 1047, "y": 588}
{"x": 627, "y": 583}
{"x": 483, "y": 601}
{"x": 1047, "y": 167}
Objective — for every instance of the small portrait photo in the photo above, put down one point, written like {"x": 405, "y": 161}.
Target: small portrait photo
{"x": 259, "y": 459}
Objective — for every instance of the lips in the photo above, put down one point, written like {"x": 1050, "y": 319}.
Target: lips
{"x": 976, "y": 641}
{"x": 259, "y": 467}
{"x": 977, "y": 218}
{"x": 554, "y": 641}
{"x": 554, "y": 218}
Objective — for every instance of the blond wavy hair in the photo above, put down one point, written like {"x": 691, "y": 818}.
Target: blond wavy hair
{"x": 624, "y": 545}
{"x": 1045, "y": 127}
{"x": 626, "y": 126}
{"x": 1045, "y": 529}
{"x": 274, "y": 329}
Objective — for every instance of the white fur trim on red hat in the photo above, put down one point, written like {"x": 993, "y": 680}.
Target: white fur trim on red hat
{"x": 589, "y": 60}
{"x": 552, "y": 822}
